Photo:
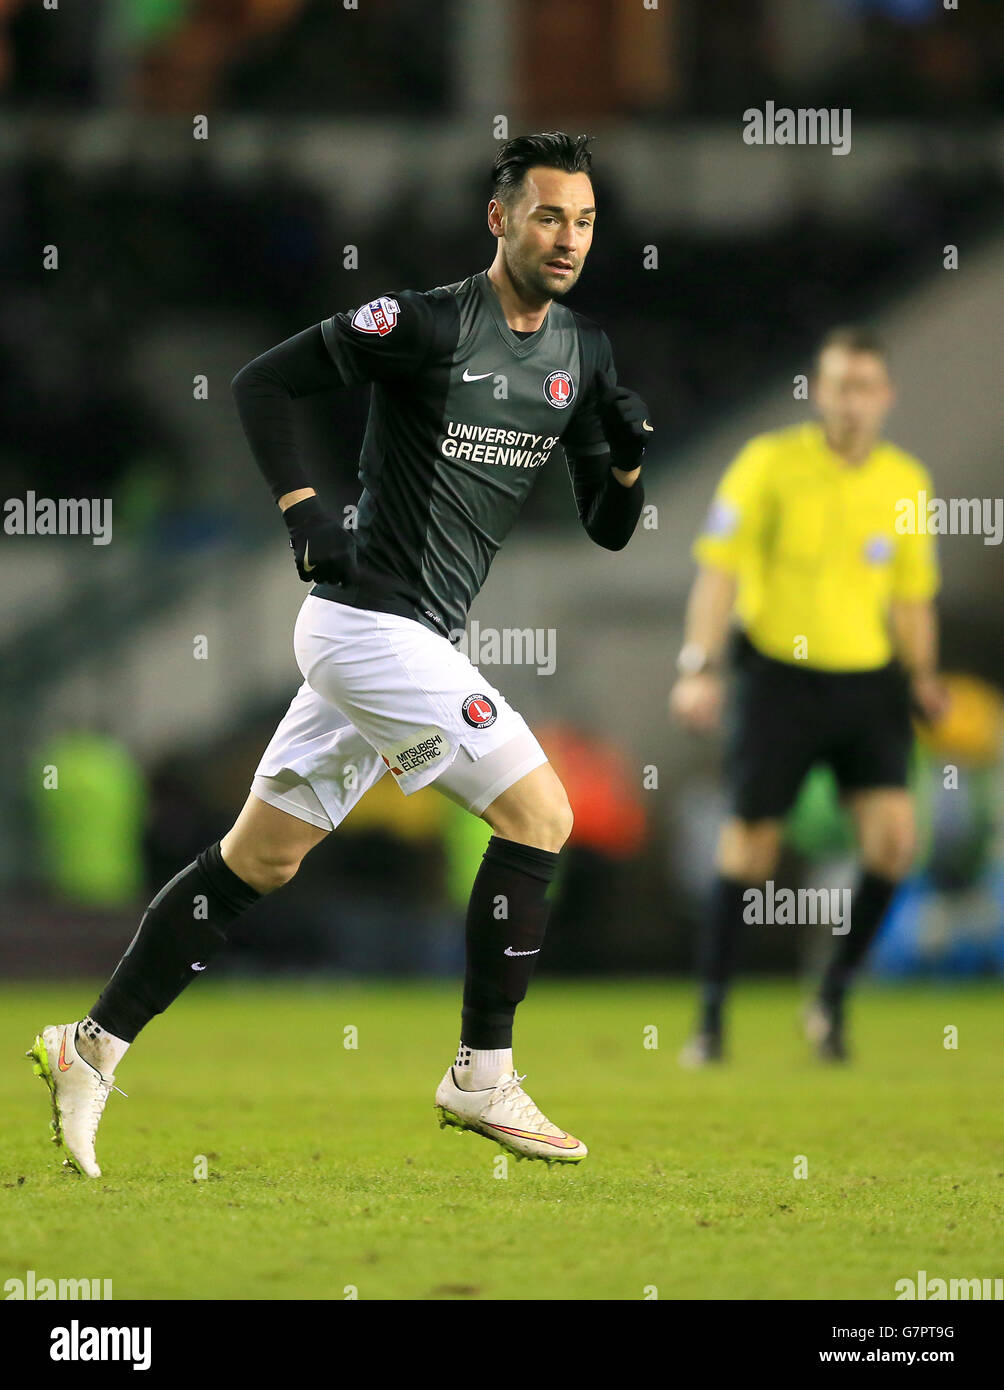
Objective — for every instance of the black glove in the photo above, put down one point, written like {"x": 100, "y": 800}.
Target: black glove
{"x": 624, "y": 417}
{"x": 322, "y": 547}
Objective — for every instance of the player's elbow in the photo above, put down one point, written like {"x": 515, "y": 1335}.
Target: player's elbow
{"x": 242, "y": 380}
{"x": 256, "y": 378}
{"x": 238, "y": 382}
{"x": 610, "y": 533}
{"x": 610, "y": 542}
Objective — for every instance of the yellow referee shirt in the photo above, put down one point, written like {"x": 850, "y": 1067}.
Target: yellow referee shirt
{"x": 813, "y": 543}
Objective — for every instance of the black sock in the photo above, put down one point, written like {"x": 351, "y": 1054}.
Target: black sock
{"x": 718, "y": 945}
{"x": 869, "y": 902}
{"x": 506, "y": 920}
{"x": 181, "y": 931}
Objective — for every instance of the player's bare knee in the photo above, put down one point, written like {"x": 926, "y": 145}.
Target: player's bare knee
{"x": 560, "y": 823}
{"x": 892, "y": 853}
{"x": 271, "y": 874}
{"x": 756, "y": 866}
{"x": 748, "y": 851}
{"x": 889, "y": 840}
{"x": 545, "y": 823}
{"x": 263, "y": 869}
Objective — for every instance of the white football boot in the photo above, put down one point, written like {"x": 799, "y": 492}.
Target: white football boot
{"x": 504, "y": 1112}
{"x": 78, "y": 1092}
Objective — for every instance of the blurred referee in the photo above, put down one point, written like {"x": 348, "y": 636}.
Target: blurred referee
{"x": 834, "y": 639}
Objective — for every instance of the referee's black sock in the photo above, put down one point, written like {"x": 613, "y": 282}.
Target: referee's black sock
{"x": 869, "y": 902}
{"x": 181, "y": 931}
{"x": 506, "y": 921}
{"x": 718, "y": 945}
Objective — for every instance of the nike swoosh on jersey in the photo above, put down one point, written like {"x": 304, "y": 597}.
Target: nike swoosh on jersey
{"x": 560, "y": 1141}
{"x": 306, "y": 563}
{"x": 510, "y": 952}
{"x": 646, "y": 426}
{"x": 480, "y": 376}
{"x": 64, "y": 1065}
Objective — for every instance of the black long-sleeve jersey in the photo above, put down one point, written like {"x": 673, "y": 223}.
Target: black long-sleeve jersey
{"x": 464, "y": 412}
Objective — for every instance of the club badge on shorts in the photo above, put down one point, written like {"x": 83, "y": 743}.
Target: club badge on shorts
{"x": 479, "y": 711}
{"x": 378, "y": 316}
{"x": 559, "y": 388}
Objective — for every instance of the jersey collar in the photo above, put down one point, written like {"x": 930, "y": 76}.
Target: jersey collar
{"x": 834, "y": 461}
{"x": 519, "y": 347}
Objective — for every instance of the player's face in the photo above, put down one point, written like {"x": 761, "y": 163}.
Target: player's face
{"x": 853, "y": 394}
{"x": 548, "y": 232}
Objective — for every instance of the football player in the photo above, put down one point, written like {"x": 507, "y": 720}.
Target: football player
{"x": 474, "y": 385}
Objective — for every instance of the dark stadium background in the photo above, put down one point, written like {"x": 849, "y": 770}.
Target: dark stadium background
{"x": 375, "y": 129}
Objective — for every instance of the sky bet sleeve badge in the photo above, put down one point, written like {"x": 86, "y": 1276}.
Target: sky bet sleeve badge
{"x": 379, "y": 316}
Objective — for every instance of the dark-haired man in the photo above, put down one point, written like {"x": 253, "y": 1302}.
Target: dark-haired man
{"x": 473, "y": 386}
{"x": 836, "y": 638}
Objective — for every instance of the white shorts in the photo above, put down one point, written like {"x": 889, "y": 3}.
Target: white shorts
{"x": 380, "y": 693}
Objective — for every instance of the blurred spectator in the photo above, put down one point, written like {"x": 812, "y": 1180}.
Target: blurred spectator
{"x": 89, "y": 798}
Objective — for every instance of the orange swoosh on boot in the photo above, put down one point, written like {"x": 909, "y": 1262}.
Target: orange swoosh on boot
{"x": 560, "y": 1141}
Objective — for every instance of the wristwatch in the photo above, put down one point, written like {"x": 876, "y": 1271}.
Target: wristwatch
{"x": 693, "y": 659}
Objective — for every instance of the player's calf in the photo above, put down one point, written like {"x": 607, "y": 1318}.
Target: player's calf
{"x": 506, "y": 923}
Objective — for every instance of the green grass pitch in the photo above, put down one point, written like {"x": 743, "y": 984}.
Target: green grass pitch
{"x": 327, "y": 1171}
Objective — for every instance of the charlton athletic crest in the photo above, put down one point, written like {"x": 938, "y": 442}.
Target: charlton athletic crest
{"x": 479, "y": 711}
{"x": 559, "y": 389}
{"x": 379, "y": 316}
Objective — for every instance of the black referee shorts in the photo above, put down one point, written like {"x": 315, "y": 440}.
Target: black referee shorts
{"x": 782, "y": 719}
